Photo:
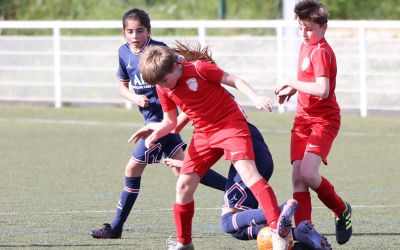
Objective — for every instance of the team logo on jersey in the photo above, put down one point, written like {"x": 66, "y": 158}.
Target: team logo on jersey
{"x": 192, "y": 84}
{"x": 305, "y": 63}
{"x": 128, "y": 67}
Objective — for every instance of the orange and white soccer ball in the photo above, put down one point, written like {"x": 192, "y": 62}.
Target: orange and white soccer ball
{"x": 264, "y": 239}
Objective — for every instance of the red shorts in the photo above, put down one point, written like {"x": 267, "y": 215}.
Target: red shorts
{"x": 206, "y": 148}
{"x": 313, "y": 137}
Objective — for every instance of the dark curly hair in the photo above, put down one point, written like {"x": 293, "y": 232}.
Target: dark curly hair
{"x": 311, "y": 11}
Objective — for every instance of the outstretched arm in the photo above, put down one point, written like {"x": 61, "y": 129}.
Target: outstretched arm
{"x": 261, "y": 102}
{"x": 146, "y": 130}
{"x": 166, "y": 126}
{"x": 319, "y": 88}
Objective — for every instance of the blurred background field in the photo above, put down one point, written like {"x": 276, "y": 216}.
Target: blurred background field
{"x": 61, "y": 174}
{"x": 65, "y": 52}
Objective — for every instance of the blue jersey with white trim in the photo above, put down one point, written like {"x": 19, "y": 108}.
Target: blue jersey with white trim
{"x": 129, "y": 71}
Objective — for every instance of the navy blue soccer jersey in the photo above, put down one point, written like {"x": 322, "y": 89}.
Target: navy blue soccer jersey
{"x": 237, "y": 194}
{"x": 129, "y": 71}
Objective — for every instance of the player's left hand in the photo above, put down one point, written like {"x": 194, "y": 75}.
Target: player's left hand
{"x": 143, "y": 132}
{"x": 279, "y": 88}
{"x": 285, "y": 94}
{"x": 263, "y": 103}
{"x": 169, "y": 162}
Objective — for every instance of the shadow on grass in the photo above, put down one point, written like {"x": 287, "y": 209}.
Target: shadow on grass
{"x": 369, "y": 234}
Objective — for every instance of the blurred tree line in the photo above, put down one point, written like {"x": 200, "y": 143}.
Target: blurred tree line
{"x": 186, "y": 9}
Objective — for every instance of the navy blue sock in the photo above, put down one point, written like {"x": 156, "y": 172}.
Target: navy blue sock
{"x": 214, "y": 180}
{"x": 126, "y": 201}
{"x": 235, "y": 222}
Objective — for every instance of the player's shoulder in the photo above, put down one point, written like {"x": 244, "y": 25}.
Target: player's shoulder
{"x": 323, "y": 45}
{"x": 155, "y": 42}
{"x": 123, "y": 50}
{"x": 201, "y": 65}
{"x": 322, "y": 48}
{"x": 124, "y": 47}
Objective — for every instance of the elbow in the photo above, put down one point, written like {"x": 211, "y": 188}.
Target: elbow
{"x": 324, "y": 95}
{"x": 170, "y": 124}
{"x": 173, "y": 124}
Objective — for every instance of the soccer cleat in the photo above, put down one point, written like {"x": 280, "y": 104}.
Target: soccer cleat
{"x": 344, "y": 229}
{"x": 285, "y": 218}
{"x": 107, "y": 232}
{"x": 301, "y": 246}
{"x": 306, "y": 234}
{"x": 174, "y": 245}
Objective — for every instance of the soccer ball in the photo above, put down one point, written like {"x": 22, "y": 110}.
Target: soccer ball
{"x": 264, "y": 239}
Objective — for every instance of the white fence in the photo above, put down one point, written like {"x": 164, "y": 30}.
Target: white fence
{"x": 80, "y": 69}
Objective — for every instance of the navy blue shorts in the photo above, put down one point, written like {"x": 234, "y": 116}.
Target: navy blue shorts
{"x": 237, "y": 194}
{"x": 164, "y": 147}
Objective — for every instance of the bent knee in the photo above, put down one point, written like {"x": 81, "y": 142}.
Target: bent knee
{"x": 226, "y": 223}
{"x": 134, "y": 169}
{"x": 308, "y": 178}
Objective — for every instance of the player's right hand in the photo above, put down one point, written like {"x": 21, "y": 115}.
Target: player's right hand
{"x": 150, "y": 140}
{"x": 142, "y": 101}
{"x": 172, "y": 163}
{"x": 263, "y": 103}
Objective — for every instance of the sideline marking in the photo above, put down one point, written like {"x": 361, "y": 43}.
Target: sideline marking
{"x": 170, "y": 209}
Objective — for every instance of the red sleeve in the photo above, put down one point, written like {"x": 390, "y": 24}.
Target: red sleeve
{"x": 321, "y": 61}
{"x": 166, "y": 103}
{"x": 209, "y": 71}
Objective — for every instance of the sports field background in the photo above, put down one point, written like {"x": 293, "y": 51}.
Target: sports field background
{"x": 62, "y": 171}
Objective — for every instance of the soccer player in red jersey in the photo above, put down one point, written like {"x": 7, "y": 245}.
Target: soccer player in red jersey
{"x": 220, "y": 129}
{"x": 317, "y": 119}
{"x": 137, "y": 33}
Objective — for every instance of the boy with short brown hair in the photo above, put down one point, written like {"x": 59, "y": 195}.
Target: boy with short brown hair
{"x": 317, "y": 119}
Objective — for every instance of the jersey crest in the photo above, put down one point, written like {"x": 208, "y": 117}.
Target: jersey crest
{"x": 305, "y": 63}
{"x": 192, "y": 84}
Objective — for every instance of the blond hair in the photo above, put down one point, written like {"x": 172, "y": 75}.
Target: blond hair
{"x": 156, "y": 62}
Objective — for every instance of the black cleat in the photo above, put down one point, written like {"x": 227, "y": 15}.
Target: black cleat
{"x": 344, "y": 229}
{"x": 301, "y": 246}
{"x": 107, "y": 232}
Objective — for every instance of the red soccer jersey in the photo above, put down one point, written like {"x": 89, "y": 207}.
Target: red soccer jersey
{"x": 315, "y": 61}
{"x": 200, "y": 95}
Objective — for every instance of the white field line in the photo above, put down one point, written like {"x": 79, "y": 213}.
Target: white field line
{"x": 71, "y": 122}
{"x": 135, "y": 124}
{"x": 170, "y": 209}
